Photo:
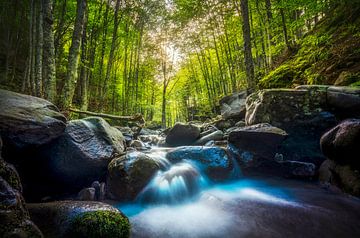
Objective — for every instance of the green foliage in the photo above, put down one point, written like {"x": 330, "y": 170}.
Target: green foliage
{"x": 99, "y": 224}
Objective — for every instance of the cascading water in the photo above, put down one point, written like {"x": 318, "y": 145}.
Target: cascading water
{"x": 176, "y": 182}
{"x": 180, "y": 182}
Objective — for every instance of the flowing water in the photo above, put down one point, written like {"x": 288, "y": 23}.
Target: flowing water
{"x": 180, "y": 201}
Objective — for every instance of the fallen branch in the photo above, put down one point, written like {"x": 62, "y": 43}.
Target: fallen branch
{"x": 137, "y": 117}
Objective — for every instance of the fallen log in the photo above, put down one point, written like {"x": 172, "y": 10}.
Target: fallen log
{"x": 135, "y": 118}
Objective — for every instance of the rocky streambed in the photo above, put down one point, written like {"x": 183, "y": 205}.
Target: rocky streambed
{"x": 276, "y": 163}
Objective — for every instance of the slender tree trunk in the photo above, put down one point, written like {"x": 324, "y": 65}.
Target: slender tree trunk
{"x": 112, "y": 51}
{"x": 249, "y": 64}
{"x": 73, "y": 61}
{"x": 84, "y": 100}
{"x": 49, "y": 53}
{"x": 39, "y": 49}
{"x": 283, "y": 21}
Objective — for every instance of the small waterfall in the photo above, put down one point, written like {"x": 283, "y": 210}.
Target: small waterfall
{"x": 180, "y": 182}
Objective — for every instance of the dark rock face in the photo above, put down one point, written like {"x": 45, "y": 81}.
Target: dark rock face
{"x": 213, "y": 160}
{"x": 344, "y": 101}
{"x": 262, "y": 139}
{"x": 182, "y": 134}
{"x": 341, "y": 176}
{"x": 79, "y": 219}
{"x": 81, "y": 155}
{"x": 233, "y": 106}
{"x": 129, "y": 174}
{"x": 28, "y": 121}
{"x": 302, "y": 113}
{"x": 342, "y": 143}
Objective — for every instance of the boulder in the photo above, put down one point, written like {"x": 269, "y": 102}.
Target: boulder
{"x": 79, "y": 219}
{"x": 296, "y": 169}
{"x": 233, "y": 106}
{"x": 342, "y": 143}
{"x": 223, "y": 124}
{"x": 81, "y": 155}
{"x": 214, "y": 161}
{"x": 215, "y": 136}
{"x": 129, "y": 174}
{"x": 182, "y": 134}
{"x": 137, "y": 144}
{"x": 281, "y": 107}
{"x": 262, "y": 139}
{"x": 341, "y": 176}
{"x": 87, "y": 194}
{"x": 344, "y": 102}
{"x": 15, "y": 220}
{"x": 27, "y": 121}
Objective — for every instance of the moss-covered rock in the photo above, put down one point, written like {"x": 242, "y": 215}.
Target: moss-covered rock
{"x": 79, "y": 219}
{"x": 99, "y": 224}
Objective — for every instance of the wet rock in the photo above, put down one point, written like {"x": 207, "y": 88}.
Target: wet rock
{"x": 81, "y": 155}
{"x": 137, "y": 144}
{"x": 341, "y": 176}
{"x": 298, "y": 169}
{"x": 147, "y": 131}
{"x": 27, "y": 121}
{"x": 79, "y": 219}
{"x": 240, "y": 124}
{"x": 223, "y": 124}
{"x": 129, "y": 174}
{"x": 100, "y": 190}
{"x": 182, "y": 134}
{"x": 215, "y": 136}
{"x": 233, "y": 106}
{"x": 87, "y": 194}
{"x": 344, "y": 102}
{"x": 262, "y": 139}
{"x": 15, "y": 220}
{"x": 342, "y": 143}
{"x": 151, "y": 139}
{"x": 213, "y": 160}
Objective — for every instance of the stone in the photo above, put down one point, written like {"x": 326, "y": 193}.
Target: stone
{"x": 79, "y": 219}
{"x": 182, "y": 134}
{"x": 129, "y": 174}
{"x": 233, "y": 106}
{"x": 342, "y": 143}
{"x": 341, "y": 176}
{"x": 262, "y": 139}
{"x": 15, "y": 220}
{"x": 223, "y": 124}
{"x": 298, "y": 169}
{"x": 214, "y": 161}
{"x": 87, "y": 194}
{"x": 214, "y": 136}
{"x": 82, "y": 154}
{"x": 137, "y": 144}
{"x": 27, "y": 121}
{"x": 344, "y": 102}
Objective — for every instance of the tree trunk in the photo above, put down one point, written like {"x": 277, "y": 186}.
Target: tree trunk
{"x": 73, "y": 60}
{"x": 249, "y": 64}
{"x": 49, "y": 52}
{"x": 39, "y": 49}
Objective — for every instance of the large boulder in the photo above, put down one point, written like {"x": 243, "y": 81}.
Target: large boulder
{"x": 233, "y": 106}
{"x": 281, "y": 107}
{"x": 81, "y": 155}
{"x": 302, "y": 113}
{"x": 344, "y": 101}
{"x": 262, "y": 139}
{"x": 182, "y": 134}
{"x": 79, "y": 219}
{"x": 214, "y": 161}
{"x": 129, "y": 174}
{"x": 342, "y": 143}
{"x": 341, "y": 176}
{"x": 27, "y": 121}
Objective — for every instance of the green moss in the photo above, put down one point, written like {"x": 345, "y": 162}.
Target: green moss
{"x": 99, "y": 224}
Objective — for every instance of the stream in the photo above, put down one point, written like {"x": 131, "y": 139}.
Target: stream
{"x": 180, "y": 201}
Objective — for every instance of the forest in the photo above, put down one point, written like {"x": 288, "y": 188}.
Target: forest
{"x": 179, "y": 118}
{"x": 169, "y": 60}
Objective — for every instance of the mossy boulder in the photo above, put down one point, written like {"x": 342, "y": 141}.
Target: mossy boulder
{"x": 27, "y": 121}
{"x": 129, "y": 174}
{"x": 79, "y": 219}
